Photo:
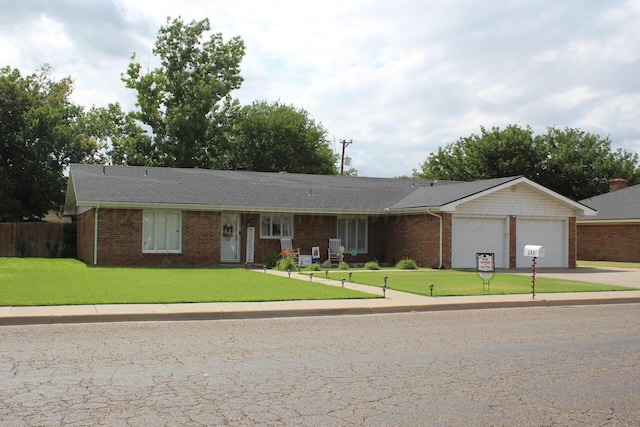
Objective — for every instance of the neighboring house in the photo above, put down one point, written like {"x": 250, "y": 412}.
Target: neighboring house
{"x": 140, "y": 216}
{"x": 614, "y": 233}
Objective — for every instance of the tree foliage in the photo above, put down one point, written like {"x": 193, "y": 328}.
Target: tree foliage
{"x": 185, "y": 102}
{"x": 569, "y": 161}
{"x": 272, "y": 137}
{"x": 41, "y": 132}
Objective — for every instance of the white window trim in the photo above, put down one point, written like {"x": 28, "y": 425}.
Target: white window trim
{"x": 265, "y": 236}
{"x": 366, "y": 232}
{"x": 163, "y": 251}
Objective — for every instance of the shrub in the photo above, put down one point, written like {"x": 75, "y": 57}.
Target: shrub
{"x": 286, "y": 263}
{"x": 406, "y": 264}
{"x": 343, "y": 266}
{"x": 372, "y": 265}
{"x": 271, "y": 259}
{"x": 314, "y": 267}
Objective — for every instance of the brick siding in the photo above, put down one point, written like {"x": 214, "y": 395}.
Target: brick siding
{"x": 615, "y": 242}
{"x": 416, "y": 237}
{"x": 85, "y": 236}
{"x": 390, "y": 239}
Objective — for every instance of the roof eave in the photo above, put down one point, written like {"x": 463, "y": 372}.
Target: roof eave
{"x": 623, "y": 221}
{"x": 230, "y": 208}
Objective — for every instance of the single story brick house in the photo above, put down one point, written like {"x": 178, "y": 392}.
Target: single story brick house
{"x": 139, "y": 216}
{"x": 614, "y": 233}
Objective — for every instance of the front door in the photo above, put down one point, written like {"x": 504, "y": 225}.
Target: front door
{"x": 230, "y": 238}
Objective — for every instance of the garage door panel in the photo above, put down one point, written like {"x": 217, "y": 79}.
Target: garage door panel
{"x": 470, "y": 235}
{"x": 552, "y": 234}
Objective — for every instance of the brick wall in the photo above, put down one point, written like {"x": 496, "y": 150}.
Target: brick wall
{"x": 200, "y": 238}
{"x": 416, "y": 237}
{"x": 620, "y": 243}
{"x": 513, "y": 245}
{"x": 447, "y": 223}
{"x": 390, "y": 239}
{"x": 572, "y": 242}
{"x": 85, "y": 236}
{"x": 120, "y": 237}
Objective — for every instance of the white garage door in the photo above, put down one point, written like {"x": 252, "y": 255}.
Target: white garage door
{"x": 470, "y": 235}
{"x": 552, "y": 234}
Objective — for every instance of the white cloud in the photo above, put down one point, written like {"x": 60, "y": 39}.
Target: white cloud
{"x": 398, "y": 78}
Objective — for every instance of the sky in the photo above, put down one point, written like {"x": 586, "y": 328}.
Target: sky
{"x": 399, "y": 79}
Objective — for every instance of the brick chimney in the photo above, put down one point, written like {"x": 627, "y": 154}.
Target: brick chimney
{"x": 618, "y": 184}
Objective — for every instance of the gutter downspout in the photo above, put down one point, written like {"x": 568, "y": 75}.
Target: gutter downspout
{"x": 440, "y": 234}
{"x": 95, "y": 235}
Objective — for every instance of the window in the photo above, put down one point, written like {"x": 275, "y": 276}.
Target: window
{"x": 162, "y": 231}
{"x": 353, "y": 234}
{"x": 276, "y": 226}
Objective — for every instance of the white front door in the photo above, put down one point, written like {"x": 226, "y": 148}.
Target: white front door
{"x": 230, "y": 238}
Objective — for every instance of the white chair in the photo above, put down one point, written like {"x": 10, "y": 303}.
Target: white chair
{"x": 335, "y": 250}
{"x": 286, "y": 246}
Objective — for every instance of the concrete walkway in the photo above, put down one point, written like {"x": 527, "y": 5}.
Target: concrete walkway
{"x": 395, "y": 302}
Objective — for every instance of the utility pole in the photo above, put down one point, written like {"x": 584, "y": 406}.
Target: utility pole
{"x": 344, "y": 143}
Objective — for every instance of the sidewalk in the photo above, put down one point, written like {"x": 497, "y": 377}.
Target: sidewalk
{"x": 395, "y": 302}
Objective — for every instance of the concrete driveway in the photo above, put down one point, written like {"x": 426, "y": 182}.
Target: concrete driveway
{"x": 609, "y": 276}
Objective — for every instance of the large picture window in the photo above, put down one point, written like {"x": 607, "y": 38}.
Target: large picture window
{"x": 353, "y": 233}
{"x": 162, "y": 231}
{"x": 276, "y": 226}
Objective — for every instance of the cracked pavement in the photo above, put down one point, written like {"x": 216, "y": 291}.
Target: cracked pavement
{"x": 545, "y": 366}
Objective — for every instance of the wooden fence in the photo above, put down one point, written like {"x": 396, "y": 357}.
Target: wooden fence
{"x": 32, "y": 239}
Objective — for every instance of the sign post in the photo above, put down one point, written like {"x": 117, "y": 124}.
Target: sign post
{"x": 486, "y": 268}
{"x": 533, "y": 251}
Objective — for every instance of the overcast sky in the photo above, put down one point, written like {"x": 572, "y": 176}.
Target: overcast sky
{"x": 398, "y": 78}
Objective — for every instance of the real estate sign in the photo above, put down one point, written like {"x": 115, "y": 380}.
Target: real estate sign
{"x": 485, "y": 267}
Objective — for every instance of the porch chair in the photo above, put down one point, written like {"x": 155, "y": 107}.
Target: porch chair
{"x": 334, "y": 251}
{"x": 286, "y": 246}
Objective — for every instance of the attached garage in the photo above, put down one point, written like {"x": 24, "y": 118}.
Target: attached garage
{"x": 553, "y": 234}
{"x": 470, "y": 235}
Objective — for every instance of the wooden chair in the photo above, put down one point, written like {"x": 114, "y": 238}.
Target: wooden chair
{"x": 286, "y": 246}
{"x": 334, "y": 252}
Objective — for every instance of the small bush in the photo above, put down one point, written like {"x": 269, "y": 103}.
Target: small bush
{"x": 286, "y": 263}
{"x": 343, "y": 266}
{"x": 271, "y": 259}
{"x": 372, "y": 265}
{"x": 407, "y": 264}
{"x": 314, "y": 267}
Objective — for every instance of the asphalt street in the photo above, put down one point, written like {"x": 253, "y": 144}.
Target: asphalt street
{"x": 534, "y": 366}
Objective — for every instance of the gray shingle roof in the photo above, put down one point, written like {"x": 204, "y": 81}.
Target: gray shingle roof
{"x": 258, "y": 191}
{"x": 621, "y": 204}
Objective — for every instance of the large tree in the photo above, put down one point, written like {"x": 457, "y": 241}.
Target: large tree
{"x": 580, "y": 164}
{"x": 569, "y": 161}
{"x": 41, "y": 132}
{"x": 186, "y": 102}
{"x": 129, "y": 143}
{"x": 492, "y": 154}
{"x": 272, "y": 137}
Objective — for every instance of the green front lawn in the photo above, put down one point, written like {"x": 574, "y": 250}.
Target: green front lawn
{"x": 457, "y": 283}
{"x": 41, "y": 281}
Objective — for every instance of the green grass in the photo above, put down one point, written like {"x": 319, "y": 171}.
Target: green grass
{"x": 595, "y": 264}
{"x": 40, "y": 281}
{"x": 457, "y": 283}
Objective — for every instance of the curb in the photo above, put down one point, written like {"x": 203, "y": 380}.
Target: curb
{"x": 305, "y": 312}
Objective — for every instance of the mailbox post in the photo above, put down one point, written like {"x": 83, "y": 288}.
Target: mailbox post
{"x": 533, "y": 251}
